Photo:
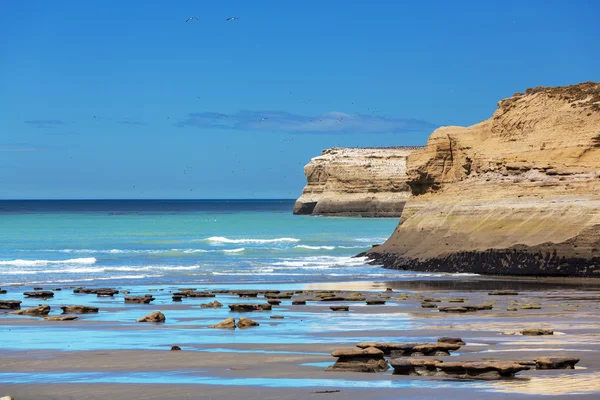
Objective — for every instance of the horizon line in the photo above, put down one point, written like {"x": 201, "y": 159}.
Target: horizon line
{"x": 156, "y": 199}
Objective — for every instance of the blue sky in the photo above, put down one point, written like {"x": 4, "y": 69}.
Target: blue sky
{"x": 124, "y": 99}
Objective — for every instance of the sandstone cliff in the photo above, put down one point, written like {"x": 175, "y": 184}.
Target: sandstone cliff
{"x": 356, "y": 182}
{"x": 517, "y": 194}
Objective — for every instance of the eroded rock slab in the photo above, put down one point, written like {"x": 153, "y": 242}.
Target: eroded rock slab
{"x": 368, "y": 359}
{"x": 156, "y": 316}
{"x": 79, "y": 309}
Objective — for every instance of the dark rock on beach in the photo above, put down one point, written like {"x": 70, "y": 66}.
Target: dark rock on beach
{"x": 244, "y": 323}
{"x": 40, "y": 294}
{"x": 229, "y": 323}
{"x": 537, "y": 332}
{"x": 339, "y": 308}
{"x": 38, "y": 311}
{"x": 368, "y": 359}
{"x": 10, "y": 304}
{"x": 156, "y": 316}
{"x": 61, "y": 318}
{"x": 249, "y": 307}
{"x": 175, "y": 348}
{"x": 79, "y": 309}
{"x": 556, "y": 362}
{"x": 138, "y": 299}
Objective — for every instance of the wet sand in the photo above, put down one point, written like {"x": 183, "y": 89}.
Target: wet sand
{"x": 109, "y": 355}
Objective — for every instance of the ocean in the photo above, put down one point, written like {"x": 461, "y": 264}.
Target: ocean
{"x": 183, "y": 242}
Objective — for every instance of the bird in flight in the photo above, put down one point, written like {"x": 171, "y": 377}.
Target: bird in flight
{"x": 191, "y": 19}
{"x": 261, "y": 120}
{"x": 232, "y": 19}
{"x": 341, "y": 120}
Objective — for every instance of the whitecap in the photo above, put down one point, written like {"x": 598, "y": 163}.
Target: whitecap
{"x": 222, "y": 240}
{"x": 234, "y": 250}
{"x": 41, "y": 263}
{"x": 305, "y": 246}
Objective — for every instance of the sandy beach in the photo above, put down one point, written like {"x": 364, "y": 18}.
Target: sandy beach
{"x": 109, "y": 355}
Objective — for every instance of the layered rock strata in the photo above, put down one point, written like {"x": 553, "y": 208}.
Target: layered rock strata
{"x": 517, "y": 194}
{"x": 356, "y": 182}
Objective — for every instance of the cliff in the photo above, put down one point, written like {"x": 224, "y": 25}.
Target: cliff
{"x": 517, "y": 194}
{"x": 356, "y": 182}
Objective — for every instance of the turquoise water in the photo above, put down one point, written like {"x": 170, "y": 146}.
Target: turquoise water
{"x": 144, "y": 242}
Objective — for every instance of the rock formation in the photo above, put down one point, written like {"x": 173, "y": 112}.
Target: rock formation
{"x": 356, "y": 182}
{"x": 517, "y": 194}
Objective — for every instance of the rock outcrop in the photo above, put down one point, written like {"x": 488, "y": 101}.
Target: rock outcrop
{"x": 369, "y": 182}
{"x": 518, "y": 194}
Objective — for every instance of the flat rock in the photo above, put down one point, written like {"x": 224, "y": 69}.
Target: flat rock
{"x": 60, "y": 318}
{"x": 375, "y": 302}
{"x": 353, "y": 352}
{"x": 503, "y": 293}
{"x": 138, "y": 299}
{"x": 42, "y": 293}
{"x": 79, "y": 309}
{"x": 339, "y": 308}
{"x": 537, "y": 332}
{"x": 96, "y": 291}
{"x": 451, "y": 340}
{"x": 244, "y": 323}
{"x": 156, "y": 316}
{"x": 429, "y": 305}
{"x": 556, "y": 362}
{"x": 359, "y": 360}
{"x": 299, "y": 302}
{"x": 247, "y": 293}
{"x": 250, "y": 307}
{"x": 277, "y": 317}
{"x": 229, "y": 323}
{"x": 414, "y": 366}
{"x": 38, "y": 311}
{"x": 10, "y": 304}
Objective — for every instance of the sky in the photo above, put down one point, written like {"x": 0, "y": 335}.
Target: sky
{"x": 125, "y": 99}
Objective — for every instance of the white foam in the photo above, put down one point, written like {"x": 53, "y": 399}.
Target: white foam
{"x": 42, "y": 263}
{"x": 222, "y": 240}
{"x": 304, "y": 246}
{"x": 234, "y": 250}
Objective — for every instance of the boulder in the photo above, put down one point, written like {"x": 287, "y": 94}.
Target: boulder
{"x": 428, "y": 305}
{"x": 156, "y": 316}
{"x": 79, "y": 309}
{"x": 60, "y": 318}
{"x": 7, "y": 398}
{"x": 244, "y": 323}
{"x": 537, "y": 332}
{"x": 177, "y": 297}
{"x": 57, "y": 289}
{"x": 43, "y": 294}
{"x": 451, "y": 340}
{"x": 175, "y": 348}
{"x": 229, "y": 323}
{"x": 556, "y": 362}
{"x": 299, "y": 302}
{"x": 212, "y": 304}
{"x": 138, "y": 299}
{"x": 503, "y": 293}
{"x": 359, "y": 360}
{"x": 339, "y": 308}
{"x": 10, "y": 304}
{"x": 3, "y": 291}
{"x": 274, "y": 302}
{"x": 249, "y": 307}
{"x": 374, "y": 302}
{"x": 38, "y": 311}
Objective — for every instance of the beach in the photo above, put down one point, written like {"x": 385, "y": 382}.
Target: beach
{"x": 109, "y": 355}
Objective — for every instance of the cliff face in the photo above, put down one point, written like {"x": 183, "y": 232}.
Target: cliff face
{"x": 517, "y": 194}
{"x": 356, "y": 182}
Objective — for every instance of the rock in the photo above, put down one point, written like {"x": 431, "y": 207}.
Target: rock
{"x": 6, "y": 398}
{"x": 156, "y": 316}
{"x": 57, "y": 289}
{"x": 125, "y": 292}
{"x": 516, "y": 194}
{"x": 249, "y": 307}
{"x": 276, "y": 317}
{"x": 61, "y": 318}
{"x": 194, "y": 294}
{"x": 359, "y": 360}
{"x": 274, "y": 302}
{"x": 43, "y": 294}
{"x": 456, "y": 300}
{"x": 38, "y": 311}
{"x": 333, "y": 298}
{"x": 10, "y": 304}
{"x": 431, "y": 300}
{"x": 480, "y": 370}
{"x": 375, "y": 302}
{"x": 531, "y": 307}
{"x": 276, "y": 296}
{"x": 247, "y": 293}
{"x": 429, "y": 305}
{"x": 138, "y": 299}
{"x": 512, "y": 309}
{"x": 503, "y": 293}
{"x": 177, "y": 298}
{"x": 556, "y": 362}
{"x": 212, "y": 304}
{"x": 96, "y": 291}
{"x": 356, "y": 182}
{"x": 2, "y": 291}
{"x": 175, "y": 348}
{"x": 38, "y": 288}
{"x": 537, "y": 332}
{"x": 229, "y": 323}
{"x": 453, "y": 309}
{"x": 79, "y": 309}
{"x": 413, "y": 366}
{"x": 411, "y": 349}
{"x": 451, "y": 340}
{"x": 244, "y": 323}
{"x": 299, "y": 302}
{"x": 355, "y": 297}
{"x": 339, "y": 308}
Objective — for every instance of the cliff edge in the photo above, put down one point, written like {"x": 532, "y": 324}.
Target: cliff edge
{"x": 360, "y": 182}
{"x": 517, "y": 194}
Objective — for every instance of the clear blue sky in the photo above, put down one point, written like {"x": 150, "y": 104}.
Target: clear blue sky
{"x": 122, "y": 99}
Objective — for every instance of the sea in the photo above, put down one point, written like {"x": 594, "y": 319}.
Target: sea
{"x": 106, "y": 242}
